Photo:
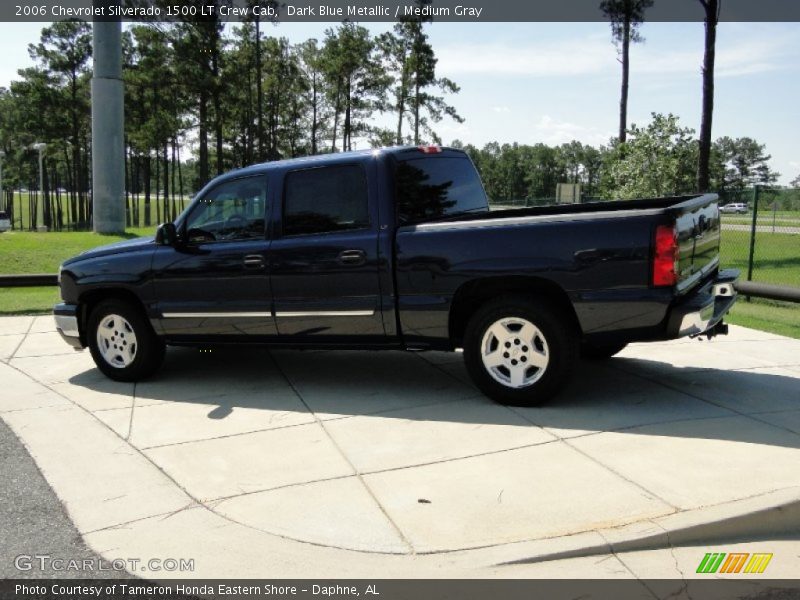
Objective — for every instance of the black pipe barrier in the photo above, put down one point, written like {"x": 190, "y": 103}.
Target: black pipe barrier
{"x": 766, "y": 290}
{"x": 41, "y": 279}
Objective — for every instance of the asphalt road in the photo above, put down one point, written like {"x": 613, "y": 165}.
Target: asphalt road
{"x": 34, "y": 523}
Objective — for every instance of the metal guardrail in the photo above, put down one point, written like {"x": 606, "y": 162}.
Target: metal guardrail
{"x": 41, "y": 279}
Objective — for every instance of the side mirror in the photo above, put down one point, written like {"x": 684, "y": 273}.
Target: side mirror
{"x": 166, "y": 234}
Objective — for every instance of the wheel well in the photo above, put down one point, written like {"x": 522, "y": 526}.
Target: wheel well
{"x": 90, "y": 299}
{"x": 472, "y": 295}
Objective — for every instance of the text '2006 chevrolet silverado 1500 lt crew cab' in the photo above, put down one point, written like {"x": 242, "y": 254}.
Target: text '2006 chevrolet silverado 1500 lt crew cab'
{"x": 397, "y": 249}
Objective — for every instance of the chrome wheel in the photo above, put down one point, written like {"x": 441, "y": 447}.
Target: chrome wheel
{"x": 116, "y": 341}
{"x": 514, "y": 352}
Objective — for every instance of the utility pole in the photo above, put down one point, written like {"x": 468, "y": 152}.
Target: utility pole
{"x": 108, "y": 151}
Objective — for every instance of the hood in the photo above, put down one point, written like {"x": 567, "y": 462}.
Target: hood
{"x": 115, "y": 248}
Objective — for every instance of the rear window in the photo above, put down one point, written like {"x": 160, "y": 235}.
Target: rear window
{"x": 3, "y": 215}
{"x": 325, "y": 199}
{"x": 432, "y": 187}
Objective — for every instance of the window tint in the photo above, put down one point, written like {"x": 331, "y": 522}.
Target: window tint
{"x": 427, "y": 188}
{"x": 325, "y": 199}
{"x": 234, "y": 210}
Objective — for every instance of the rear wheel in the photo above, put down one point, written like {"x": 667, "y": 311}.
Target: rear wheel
{"x": 122, "y": 342}
{"x": 601, "y": 351}
{"x": 520, "y": 351}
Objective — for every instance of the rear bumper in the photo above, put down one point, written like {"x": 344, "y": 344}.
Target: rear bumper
{"x": 67, "y": 325}
{"x": 705, "y": 307}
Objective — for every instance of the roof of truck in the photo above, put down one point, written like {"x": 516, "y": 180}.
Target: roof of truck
{"x": 330, "y": 158}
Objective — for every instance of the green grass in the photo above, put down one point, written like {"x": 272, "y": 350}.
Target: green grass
{"x": 777, "y": 256}
{"x": 781, "y": 318}
{"x": 27, "y": 252}
{"x": 28, "y": 301}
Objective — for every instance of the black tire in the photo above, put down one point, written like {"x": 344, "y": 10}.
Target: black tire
{"x": 557, "y": 331}
{"x": 148, "y": 351}
{"x": 591, "y": 351}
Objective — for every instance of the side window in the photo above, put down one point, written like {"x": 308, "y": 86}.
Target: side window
{"x": 234, "y": 210}
{"x": 429, "y": 188}
{"x": 325, "y": 199}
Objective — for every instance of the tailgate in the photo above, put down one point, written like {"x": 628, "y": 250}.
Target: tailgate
{"x": 698, "y": 227}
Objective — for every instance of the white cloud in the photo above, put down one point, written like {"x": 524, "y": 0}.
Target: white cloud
{"x": 553, "y": 132}
{"x": 501, "y": 109}
{"x": 595, "y": 55}
{"x": 564, "y": 58}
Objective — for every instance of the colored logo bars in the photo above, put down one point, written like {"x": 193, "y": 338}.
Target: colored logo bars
{"x": 734, "y": 562}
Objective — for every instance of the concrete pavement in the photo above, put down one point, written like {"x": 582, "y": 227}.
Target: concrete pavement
{"x": 360, "y": 464}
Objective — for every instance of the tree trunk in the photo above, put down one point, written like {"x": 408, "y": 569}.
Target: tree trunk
{"x": 626, "y": 67}
{"x": 314, "y": 117}
{"x": 259, "y": 94}
{"x": 180, "y": 177}
{"x": 346, "y": 134}
{"x": 166, "y": 182}
{"x": 146, "y": 176}
{"x": 203, "y": 170}
{"x": 704, "y": 156}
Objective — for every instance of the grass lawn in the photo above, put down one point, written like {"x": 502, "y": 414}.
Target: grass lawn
{"x": 777, "y": 256}
{"x": 782, "y": 318}
{"x": 27, "y": 252}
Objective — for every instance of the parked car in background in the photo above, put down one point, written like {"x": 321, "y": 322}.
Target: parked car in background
{"x": 396, "y": 249}
{"x": 739, "y": 208}
{"x": 5, "y": 222}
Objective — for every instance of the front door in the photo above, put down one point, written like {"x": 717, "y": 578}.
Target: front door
{"x": 324, "y": 256}
{"x": 215, "y": 280}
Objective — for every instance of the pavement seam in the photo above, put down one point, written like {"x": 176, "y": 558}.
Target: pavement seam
{"x": 341, "y": 452}
{"x": 330, "y": 420}
{"x": 751, "y": 416}
{"x": 130, "y": 421}
{"x": 22, "y": 341}
{"x": 685, "y": 587}
{"x": 566, "y": 441}
{"x": 624, "y": 564}
{"x": 194, "y": 501}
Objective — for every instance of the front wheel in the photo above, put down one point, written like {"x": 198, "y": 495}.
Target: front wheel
{"x": 122, "y": 342}
{"x": 520, "y": 351}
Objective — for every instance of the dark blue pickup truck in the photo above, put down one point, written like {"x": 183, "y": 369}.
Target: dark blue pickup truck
{"x": 396, "y": 249}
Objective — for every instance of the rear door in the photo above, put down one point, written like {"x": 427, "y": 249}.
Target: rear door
{"x": 324, "y": 255}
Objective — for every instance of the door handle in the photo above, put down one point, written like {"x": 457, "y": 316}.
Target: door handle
{"x": 352, "y": 257}
{"x": 253, "y": 261}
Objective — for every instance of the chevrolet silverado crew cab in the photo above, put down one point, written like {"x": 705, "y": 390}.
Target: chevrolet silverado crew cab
{"x": 396, "y": 249}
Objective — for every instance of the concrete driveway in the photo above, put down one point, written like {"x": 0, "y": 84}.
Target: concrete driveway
{"x": 341, "y": 464}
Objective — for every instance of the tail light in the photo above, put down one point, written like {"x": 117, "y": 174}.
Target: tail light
{"x": 665, "y": 259}
{"x": 431, "y": 149}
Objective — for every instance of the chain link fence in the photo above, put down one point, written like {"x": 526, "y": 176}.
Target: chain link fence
{"x": 761, "y": 234}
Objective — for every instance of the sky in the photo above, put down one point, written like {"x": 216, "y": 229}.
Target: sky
{"x": 555, "y": 82}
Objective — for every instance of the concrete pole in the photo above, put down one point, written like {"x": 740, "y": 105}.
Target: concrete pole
{"x": 108, "y": 152}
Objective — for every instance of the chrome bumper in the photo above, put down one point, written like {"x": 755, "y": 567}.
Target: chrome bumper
{"x": 705, "y": 308}
{"x": 66, "y": 317}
